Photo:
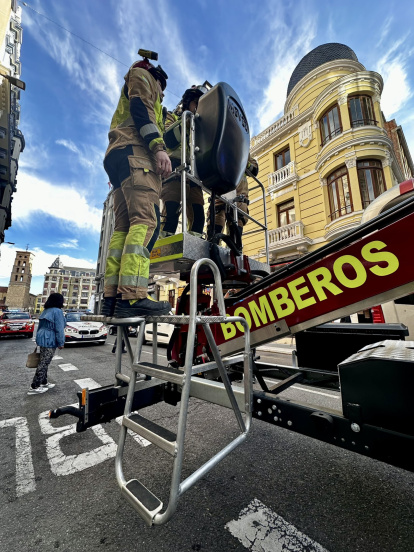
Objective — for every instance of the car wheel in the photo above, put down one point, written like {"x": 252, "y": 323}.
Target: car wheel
{"x": 30, "y": 335}
{"x": 101, "y": 342}
{"x": 111, "y": 331}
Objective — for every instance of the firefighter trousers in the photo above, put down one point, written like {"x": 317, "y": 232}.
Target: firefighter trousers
{"x": 136, "y": 194}
{"x": 171, "y": 197}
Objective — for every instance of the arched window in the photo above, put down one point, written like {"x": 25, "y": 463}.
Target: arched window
{"x": 330, "y": 124}
{"x": 339, "y": 192}
{"x": 371, "y": 180}
{"x": 361, "y": 111}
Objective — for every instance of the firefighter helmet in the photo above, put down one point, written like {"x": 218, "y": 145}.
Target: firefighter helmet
{"x": 193, "y": 93}
{"x": 157, "y": 72}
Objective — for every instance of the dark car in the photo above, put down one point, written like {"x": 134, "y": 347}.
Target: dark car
{"x": 132, "y": 330}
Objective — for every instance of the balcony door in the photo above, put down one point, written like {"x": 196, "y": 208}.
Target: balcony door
{"x": 286, "y": 213}
{"x": 282, "y": 159}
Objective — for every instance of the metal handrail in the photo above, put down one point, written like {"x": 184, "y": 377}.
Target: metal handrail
{"x": 189, "y": 171}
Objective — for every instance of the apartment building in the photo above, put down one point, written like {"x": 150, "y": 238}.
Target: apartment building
{"x": 77, "y": 285}
{"x": 327, "y": 158}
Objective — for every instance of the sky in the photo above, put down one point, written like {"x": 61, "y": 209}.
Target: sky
{"x": 73, "y": 80}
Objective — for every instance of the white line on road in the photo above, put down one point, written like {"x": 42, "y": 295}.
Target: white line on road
{"x": 87, "y": 383}
{"x": 259, "y": 529}
{"x": 57, "y": 357}
{"x": 92, "y": 384}
{"x": 67, "y": 367}
{"x": 308, "y": 390}
{"x": 25, "y": 479}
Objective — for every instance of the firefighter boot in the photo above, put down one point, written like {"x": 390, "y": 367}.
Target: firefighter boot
{"x": 108, "y": 306}
{"x": 143, "y": 307}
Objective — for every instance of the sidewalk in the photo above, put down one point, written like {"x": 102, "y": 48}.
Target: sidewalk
{"x": 282, "y": 346}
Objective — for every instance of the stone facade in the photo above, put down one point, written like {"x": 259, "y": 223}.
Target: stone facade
{"x": 18, "y": 292}
{"x": 11, "y": 138}
{"x": 316, "y": 160}
{"x": 77, "y": 285}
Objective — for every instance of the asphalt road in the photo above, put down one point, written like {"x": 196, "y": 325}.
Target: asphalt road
{"x": 279, "y": 491}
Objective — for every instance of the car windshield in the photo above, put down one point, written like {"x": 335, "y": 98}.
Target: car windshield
{"x": 16, "y": 316}
{"x": 73, "y": 317}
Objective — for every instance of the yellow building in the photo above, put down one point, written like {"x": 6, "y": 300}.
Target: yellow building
{"x": 329, "y": 156}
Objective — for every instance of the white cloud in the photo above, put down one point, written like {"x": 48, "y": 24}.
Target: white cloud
{"x": 96, "y": 74}
{"x": 36, "y": 196}
{"x": 70, "y": 244}
{"x": 290, "y": 43}
{"x": 393, "y": 68}
{"x": 84, "y": 160}
{"x": 41, "y": 263}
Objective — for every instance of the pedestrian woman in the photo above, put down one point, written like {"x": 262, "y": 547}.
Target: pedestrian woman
{"x": 50, "y": 334}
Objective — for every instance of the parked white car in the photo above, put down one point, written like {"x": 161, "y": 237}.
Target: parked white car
{"x": 80, "y": 331}
{"x": 164, "y": 332}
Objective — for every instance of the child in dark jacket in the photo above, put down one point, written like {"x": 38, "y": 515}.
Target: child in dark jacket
{"x": 50, "y": 334}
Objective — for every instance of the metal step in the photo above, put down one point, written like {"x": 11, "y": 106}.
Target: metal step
{"x": 160, "y": 436}
{"x": 166, "y": 373}
{"x": 142, "y": 500}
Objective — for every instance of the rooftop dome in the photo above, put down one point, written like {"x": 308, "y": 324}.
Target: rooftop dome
{"x": 320, "y": 55}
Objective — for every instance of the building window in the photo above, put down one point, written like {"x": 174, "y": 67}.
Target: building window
{"x": 330, "y": 124}
{"x": 282, "y": 159}
{"x": 361, "y": 112}
{"x": 85, "y": 294}
{"x": 53, "y": 286}
{"x": 64, "y": 286}
{"x": 339, "y": 192}
{"x": 84, "y": 301}
{"x": 286, "y": 213}
{"x": 371, "y": 180}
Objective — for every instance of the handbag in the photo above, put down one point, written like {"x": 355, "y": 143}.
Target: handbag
{"x": 33, "y": 359}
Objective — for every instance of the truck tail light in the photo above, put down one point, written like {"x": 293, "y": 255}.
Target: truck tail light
{"x": 377, "y": 315}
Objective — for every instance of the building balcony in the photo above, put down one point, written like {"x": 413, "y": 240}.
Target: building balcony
{"x": 289, "y": 238}
{"x": 282, "y": 177}
{"x": 273, "y": 129}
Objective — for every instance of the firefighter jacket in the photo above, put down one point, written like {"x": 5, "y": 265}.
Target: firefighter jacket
{"x": 172, "y": 138}
{"x": 138, "y": 119}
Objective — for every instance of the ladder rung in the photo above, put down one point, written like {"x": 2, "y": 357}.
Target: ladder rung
{"x": 166, "y": 373}
{"x": 142, "y": 500}
{"x": 160, "y": 436}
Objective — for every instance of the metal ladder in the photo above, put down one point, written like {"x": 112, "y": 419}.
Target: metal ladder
{"x": 148, "y": 506}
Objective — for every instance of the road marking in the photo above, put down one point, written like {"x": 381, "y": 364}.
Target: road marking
{"x": 25, "y": 479}
{"x": 66, "y": 464}
{"x": 92, "y": 384}
{"x": 316, "y": 392}
{"x": 67, "y": 367}
{"x": 259, "y": 529}
{"x": 308, "y": 390}
{"x": 87, "y": 383}
{"x": 57, "y": 357}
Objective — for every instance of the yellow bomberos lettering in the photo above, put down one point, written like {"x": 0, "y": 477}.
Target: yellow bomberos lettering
{"x": 283, "y": 301}
{"x": 380, "y": 256}
{"x": 229, "y": 330}
{"x": 262, "y": 312}
{"x": 282, "y": 304}
{"x": 241, "y": 311}
{"x": 297, "y": 293}
{"x": 360, "y": 272}
{"x": 321, "y": 278}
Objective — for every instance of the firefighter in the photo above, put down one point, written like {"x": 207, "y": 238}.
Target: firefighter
{"x": 136, "y": 160}
{"x": 224, "y": 214}
{"x": 171, "y": 190}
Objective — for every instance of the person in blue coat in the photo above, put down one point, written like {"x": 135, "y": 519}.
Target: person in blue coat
{"x": 50, "y": 335}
